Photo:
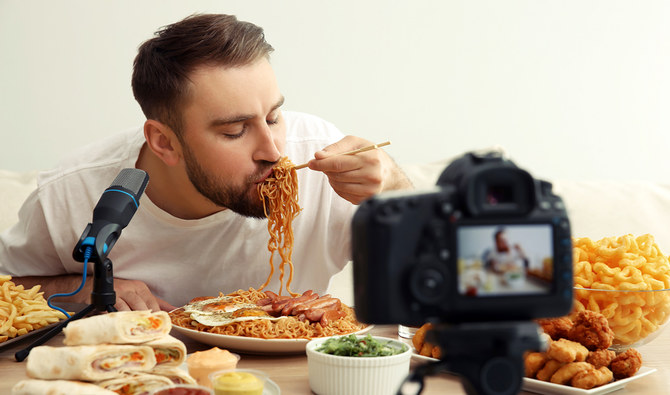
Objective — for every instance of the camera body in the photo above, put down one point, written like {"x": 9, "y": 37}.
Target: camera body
{"x": 489, "y": 243}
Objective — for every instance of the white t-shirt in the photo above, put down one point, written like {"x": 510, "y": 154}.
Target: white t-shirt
{"x": 181, "y": 259}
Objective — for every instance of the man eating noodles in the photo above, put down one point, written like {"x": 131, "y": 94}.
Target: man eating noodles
{"x": 214, "y": 129}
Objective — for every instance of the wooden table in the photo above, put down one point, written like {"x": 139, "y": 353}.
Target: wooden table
{"x": 291, "y": 374}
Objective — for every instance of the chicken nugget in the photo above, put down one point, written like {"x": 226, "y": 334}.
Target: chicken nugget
{"x": 566, "y": 372}
{"x": 420, "y": 336}
{"x": 564, "y": 350}
{"x": 592, "y": 378}
{"x": 626, "y": 364}
{"x": 548, "y": 370}
{"x": 533, "y": 362}
{"x": 556, "y": 328}
{"x": 600, "y": 358}
{"x": 592, "y": 330}
{"x": 436, "y": 352}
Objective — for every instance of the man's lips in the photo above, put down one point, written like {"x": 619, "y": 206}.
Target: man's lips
{"x": 268, "y": 174}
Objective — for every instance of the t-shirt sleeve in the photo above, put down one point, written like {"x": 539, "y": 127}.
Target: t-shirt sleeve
{"x": 26, "y": 249}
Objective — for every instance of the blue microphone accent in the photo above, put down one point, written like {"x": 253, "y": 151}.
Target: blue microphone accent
{"x": 90, "y": 241}
{"x": 131, "y": 196}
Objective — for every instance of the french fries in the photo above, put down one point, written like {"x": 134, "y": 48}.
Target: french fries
{"x": 23, "y": 310}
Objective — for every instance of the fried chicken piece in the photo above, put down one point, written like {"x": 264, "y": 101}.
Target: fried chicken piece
{"x": 569, "y": 370}
{"x": 549, "y": 369}
{"x": 564, "y": 350}
{"x": 600, "y": 358}
{"x": 436, "y": 352}
{"x": 533, "y": 362}
{"x": 422, "y": 347}
{"x": 592, "y": 330}
{"x": 556, "y": 328}
{"x": 592, "y": 378}
{"x": 420, "y": 336}
{"x": 626, "y": 364}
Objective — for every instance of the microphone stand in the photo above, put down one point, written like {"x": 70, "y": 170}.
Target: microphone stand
{"x": 103, "y": 298}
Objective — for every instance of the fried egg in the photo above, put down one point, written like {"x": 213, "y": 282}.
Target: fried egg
{"x": 225, "y": 318}
{"x": 218, "y": 305}
{"x": 223, "y": 310}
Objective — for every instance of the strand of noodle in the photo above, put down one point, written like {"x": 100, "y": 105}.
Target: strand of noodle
{"x": 280, "y": 205}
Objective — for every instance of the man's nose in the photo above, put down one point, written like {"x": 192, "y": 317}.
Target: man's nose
{"x": 267, "y": 147}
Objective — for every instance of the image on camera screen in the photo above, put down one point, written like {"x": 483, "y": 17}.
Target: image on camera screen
{"x": 500, "y": 260}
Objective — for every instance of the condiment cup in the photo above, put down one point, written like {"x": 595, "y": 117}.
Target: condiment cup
{"x": 183, "y": 389}
{"x": 340, "y": 375}
{"x": 262, "y": 386}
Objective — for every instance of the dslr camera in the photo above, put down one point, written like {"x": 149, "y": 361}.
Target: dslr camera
{"x": 489, "y": 243}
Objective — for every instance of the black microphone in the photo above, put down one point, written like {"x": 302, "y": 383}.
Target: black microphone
{"x": 114, "y": 210}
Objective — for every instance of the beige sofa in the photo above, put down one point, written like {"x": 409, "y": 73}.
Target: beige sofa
{"x": 596, "y": 208}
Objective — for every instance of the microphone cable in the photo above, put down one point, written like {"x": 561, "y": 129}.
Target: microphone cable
{"x": 87, "y": 256}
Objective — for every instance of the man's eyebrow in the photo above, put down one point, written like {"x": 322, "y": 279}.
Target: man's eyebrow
{"x": 243, "y": 117}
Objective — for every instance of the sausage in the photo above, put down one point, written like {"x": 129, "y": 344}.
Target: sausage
{"x": 271, "y": 296}
{"x": 331, "y": 315}
{"x": 314, "y": 315}
{"x": 296, "y": 301}
{"x": 323, "y": 301}
{"x": 279, "y": 303}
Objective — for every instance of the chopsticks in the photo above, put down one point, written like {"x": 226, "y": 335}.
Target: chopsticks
{"x": 354, "y": 152}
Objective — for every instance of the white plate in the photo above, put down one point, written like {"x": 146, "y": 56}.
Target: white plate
{"x": 251, "y": 345}
{"x": 543, "y": 387}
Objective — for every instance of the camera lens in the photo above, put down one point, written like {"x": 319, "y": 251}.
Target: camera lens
{"x": 429, "y": 281}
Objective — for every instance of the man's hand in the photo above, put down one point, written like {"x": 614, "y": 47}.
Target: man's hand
{"x": 358, "y": 177}
{"x": 135, "y": 295}
{"x": 130, "y": 294}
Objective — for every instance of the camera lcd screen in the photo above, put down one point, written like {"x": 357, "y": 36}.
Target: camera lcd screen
{"x": 505, "y": 260}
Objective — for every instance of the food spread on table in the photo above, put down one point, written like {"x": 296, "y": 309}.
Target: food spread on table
{"x": 126, "y": 353}
{"x": 23, "y": 310}
{"x": 267, "y": 315}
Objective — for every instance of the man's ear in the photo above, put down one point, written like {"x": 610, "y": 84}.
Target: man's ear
{"x": 163, "y": 142}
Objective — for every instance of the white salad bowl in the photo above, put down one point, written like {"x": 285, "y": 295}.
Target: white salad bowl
{"x": 343, "y": 375}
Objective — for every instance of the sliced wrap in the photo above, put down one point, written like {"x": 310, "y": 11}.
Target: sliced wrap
{"x": 139, "y": 383}
{"x": 57, "y": 387}
{"x": 169, "y": 351}
{"x": 88, "y": 363}
{"x": 176, "y": 375}
{"x": 121, "y": 327}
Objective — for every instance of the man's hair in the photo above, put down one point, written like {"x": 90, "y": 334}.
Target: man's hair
{"x": 163, "y": 64}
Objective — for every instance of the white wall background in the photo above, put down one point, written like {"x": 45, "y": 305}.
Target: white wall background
{"x": 572, "y": 89}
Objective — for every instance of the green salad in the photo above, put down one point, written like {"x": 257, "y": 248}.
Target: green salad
{"x": 352, "y": 346}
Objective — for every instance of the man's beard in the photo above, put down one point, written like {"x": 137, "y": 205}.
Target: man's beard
{"x": 235, "y": 198}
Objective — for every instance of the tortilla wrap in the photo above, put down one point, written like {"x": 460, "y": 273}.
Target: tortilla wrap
{"x": 120, "y": 327}
{"x": 88, "y": 363}
{"x": 169, "y": 351}
{"x": 176, "y": 375}
{"x": 57, "y": 387}
{"x": 137, "y": 383}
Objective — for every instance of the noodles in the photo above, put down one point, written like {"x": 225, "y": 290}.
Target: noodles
{"x": 280, "y": 203}
{"x": 286, "y": 328}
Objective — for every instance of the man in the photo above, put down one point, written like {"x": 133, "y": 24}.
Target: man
{"x": 504, "y": 258}
{"x": 214, "y": 130}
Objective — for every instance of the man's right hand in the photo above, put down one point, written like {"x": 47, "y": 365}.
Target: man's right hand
{"x": 130, "y": 294}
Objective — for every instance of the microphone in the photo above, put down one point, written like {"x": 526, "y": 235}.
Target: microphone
{"x": 114, "y": 210}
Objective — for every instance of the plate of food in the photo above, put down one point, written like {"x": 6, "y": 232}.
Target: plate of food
{"x": 25, "y": 313}
{"x": 545, "y": 387}
{"x": 256, "y": 322}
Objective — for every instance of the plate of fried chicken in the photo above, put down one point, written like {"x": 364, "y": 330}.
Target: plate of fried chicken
{"x": 578, "y": 359}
